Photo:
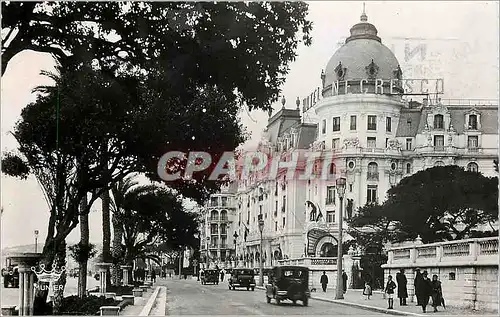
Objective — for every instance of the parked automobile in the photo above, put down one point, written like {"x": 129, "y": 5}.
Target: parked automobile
{"x": 242, "y": 278}
{"x": 10, "y": 277}
{"x": 288, "y": 283}
{"x": 210, "y": 276}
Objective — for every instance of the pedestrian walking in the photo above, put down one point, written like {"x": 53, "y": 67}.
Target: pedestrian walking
{"x": 425, "y": 291}
{"x": 153, "y": 276}
{"x": 222, "y": 275}
{"x": 437, "y": 293}
{"x": 367, "y": 291}
{"x": 344, "y": 280}
{"x": 417, "y": 283}
{"x": 324, "y": 281}
{"x": 402, "y": 287}
{"x": 389, "y": 290}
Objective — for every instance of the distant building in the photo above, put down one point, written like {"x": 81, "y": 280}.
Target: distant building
{"x": 219, "y": 220}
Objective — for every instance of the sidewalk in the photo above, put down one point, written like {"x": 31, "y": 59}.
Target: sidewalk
{"x": 377, "y": 303}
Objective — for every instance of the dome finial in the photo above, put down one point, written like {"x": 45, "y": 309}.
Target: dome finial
{"x": 364, "y": 18}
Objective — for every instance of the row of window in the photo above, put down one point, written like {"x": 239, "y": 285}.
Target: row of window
{"x": 214, "y": 201}
{"x": 214, "y": 215}
{"x": 439, "y": 122}
{"x": 371, "y": 142}
{"x": 371, "y": 124}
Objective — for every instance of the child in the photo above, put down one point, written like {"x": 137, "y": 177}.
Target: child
{"x": 367, "y": 291}
{"x": 389, "y": 290}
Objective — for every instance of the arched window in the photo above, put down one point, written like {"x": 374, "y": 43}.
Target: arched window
{"x": 472, "y": 167}
{"x": 332, "y": 170}
{"x": 214, "y": 215}
{"x": 372, "y": 171}
{"x": 408, "y": 168}
{"x": 439, "y": 163}
{"x": 438, "y": 121}
{"x": 223, "y": 215}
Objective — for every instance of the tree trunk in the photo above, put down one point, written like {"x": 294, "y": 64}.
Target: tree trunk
{"x": 60, "y": 261}
{"x": 54, "y": 251}
{"x": 106, "y": 231}
{"x": 116, "y": 250}
{"x": 84, "y": 241}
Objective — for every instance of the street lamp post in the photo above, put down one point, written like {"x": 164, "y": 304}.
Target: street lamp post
{"x": 341, "y": 182}
{"x": 261, "y": 272}
{"x": 36, "y": 240}
{"x": 208, "y": 252}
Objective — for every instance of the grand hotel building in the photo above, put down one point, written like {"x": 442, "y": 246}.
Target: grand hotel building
{"x": 372, "y": 139}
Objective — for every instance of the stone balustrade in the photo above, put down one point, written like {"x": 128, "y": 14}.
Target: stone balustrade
{"x": 467, "y": 269}
{"x": 310, "y": 261}
{"x": 483, "y": 251}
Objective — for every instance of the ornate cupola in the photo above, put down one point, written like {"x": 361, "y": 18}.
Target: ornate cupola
{"x": 363, "y": 30}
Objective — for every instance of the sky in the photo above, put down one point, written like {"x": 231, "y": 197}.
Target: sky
{"x": 456, "y": 41}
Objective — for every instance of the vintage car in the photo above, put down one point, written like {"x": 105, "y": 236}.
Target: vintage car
{"x": 242, "y": 278}
{"x": 210, "y": 276}
{"x": 288, "y": 283}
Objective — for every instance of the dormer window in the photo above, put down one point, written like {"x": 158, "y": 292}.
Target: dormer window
{"x": 438, "y": 121}
{"x": 473, "y": 122}
{"x": 408, "y": 123}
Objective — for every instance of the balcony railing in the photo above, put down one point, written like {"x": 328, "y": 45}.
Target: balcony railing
{"x": 473, "y": 149}
{"x": 438, "y": 148}
{"x": 372, "y": 176}
{"x": 330, "y": 201}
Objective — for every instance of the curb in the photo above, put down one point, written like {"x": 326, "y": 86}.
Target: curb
{"x": 367, "y": 307}
{"x": 151, "y": 301}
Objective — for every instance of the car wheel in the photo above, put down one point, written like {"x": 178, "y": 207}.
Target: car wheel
{"x": 278, "y": 301}
{"x": 294, "y": 301}
{"x": 305, "y": 301}
{"x": 268, "y": 299}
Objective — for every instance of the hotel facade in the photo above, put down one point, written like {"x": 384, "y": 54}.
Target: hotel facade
{"x": 373, "y": 127}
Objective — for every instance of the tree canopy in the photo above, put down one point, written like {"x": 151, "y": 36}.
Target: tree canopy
{"x": 242, "y": 48}
{"x": 439, "y": 204}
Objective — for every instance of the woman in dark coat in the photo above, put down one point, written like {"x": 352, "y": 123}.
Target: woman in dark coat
{"x": 417, "y": 283}
{"x": 402, "y": 290}
{"x": 437, "y": 292}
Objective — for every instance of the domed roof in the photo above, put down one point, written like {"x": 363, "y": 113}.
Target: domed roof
{"x": 363, "y": 56}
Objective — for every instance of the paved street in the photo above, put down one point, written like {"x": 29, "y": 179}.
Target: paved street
{"x": 189, "y": 297}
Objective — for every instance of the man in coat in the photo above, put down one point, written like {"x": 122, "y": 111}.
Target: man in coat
{"x": 402, "y": 289}
{"x": 417, "y": 283}
{"x": 344, "y": 279}
{"x": 324, "y": 281}
{"x": 425, "y": 291}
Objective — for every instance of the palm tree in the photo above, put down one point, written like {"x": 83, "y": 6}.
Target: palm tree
{"x": 120, "y": 192}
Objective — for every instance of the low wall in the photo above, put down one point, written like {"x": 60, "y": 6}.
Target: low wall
{"x": 467, "y": 269}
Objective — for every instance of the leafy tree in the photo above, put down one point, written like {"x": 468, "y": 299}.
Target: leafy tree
{"x": 440, "y": 203}
{"x": 151, "y": 216}
{"x": 243, "y": 48}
